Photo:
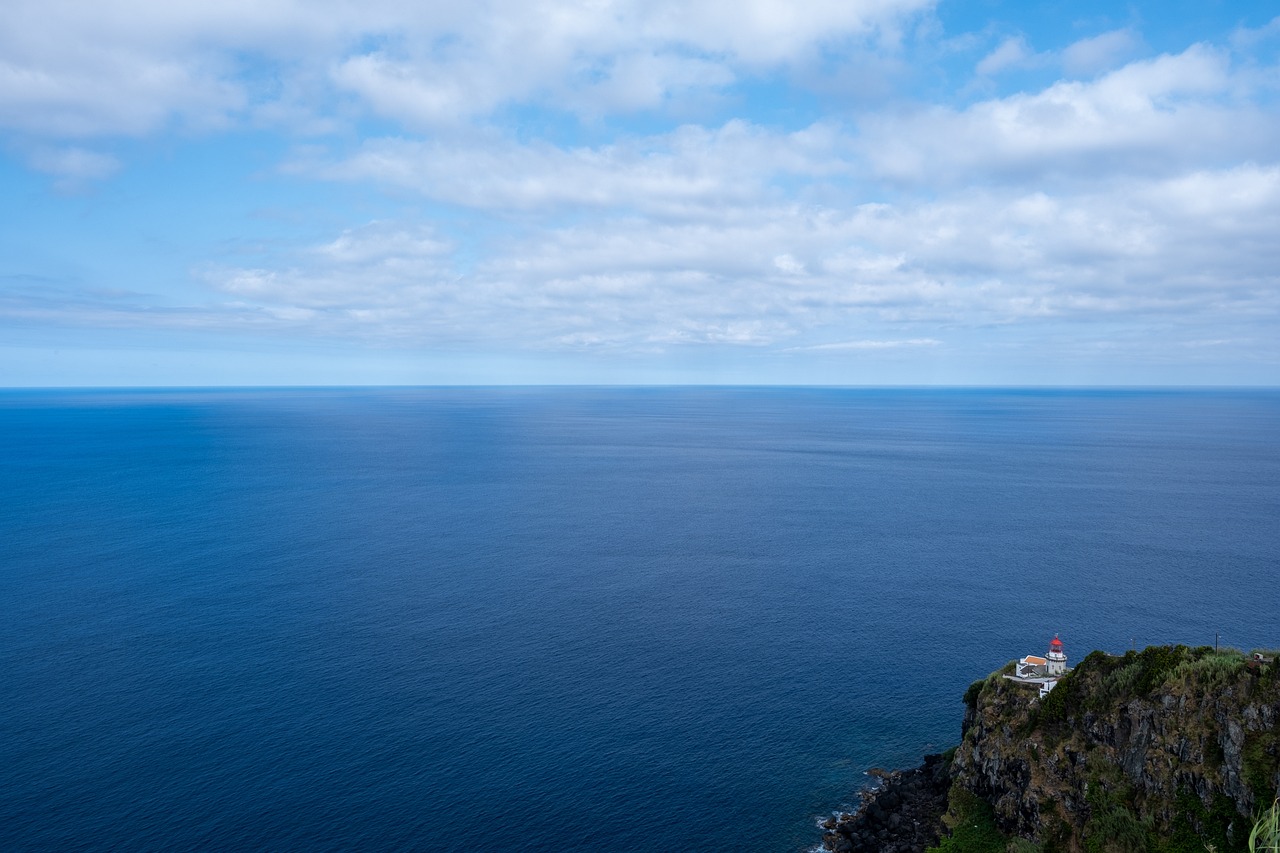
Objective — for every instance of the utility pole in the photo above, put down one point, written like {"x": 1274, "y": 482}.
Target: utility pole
{"x": 1215, "y": 642}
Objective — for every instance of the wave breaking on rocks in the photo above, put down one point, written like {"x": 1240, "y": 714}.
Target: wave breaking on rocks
{"x": 903, "y": 815}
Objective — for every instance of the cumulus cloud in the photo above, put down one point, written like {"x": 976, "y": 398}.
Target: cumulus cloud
{"x": 1248, "y": 37}
{"x": 131, "y": 67}
{"x": 382, "y": 279}
{"x": 1083, "y": 58}
{"x": 99, "y": 92}
{"x": 1190, "y": 252}
{"x": 1135, "y": 194}
{"x": 1010, "y": 53}
{"x": 1099, "y": 53}
{"x": 73, "y": 167}
{"x": 690, "y": 168}
{"x": 1153, "y": 116}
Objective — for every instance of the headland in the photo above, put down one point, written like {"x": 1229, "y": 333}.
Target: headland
{"x": 1168, "y": 750}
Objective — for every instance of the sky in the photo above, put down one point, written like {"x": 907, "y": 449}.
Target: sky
{"x": 834, "y": 192}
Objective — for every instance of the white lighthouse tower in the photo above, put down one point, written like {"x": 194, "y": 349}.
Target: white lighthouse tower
{"x": 1057, "y": 659}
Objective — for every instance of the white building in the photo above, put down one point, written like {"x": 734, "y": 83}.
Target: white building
{"x": 1043, "y": 671}
{"x": 1033, "y": 666}
{"x": 1051, "y": 665}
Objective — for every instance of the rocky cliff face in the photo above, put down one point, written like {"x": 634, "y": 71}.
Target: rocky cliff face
{"x": 1168, "y": 749}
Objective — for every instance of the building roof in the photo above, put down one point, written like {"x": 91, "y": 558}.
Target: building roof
{"x": 1032, "y": 659}
{"x": 1055, "y": 643}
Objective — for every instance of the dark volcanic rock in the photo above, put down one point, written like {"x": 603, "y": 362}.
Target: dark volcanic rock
{"x": 1133, "y": 734}
{"x": 904, "y": 815}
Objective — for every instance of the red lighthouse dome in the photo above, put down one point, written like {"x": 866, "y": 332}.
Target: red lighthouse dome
{"x": 1057, "y": 663}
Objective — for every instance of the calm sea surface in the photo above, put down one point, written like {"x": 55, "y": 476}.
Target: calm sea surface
{"x": 574, "y": 620}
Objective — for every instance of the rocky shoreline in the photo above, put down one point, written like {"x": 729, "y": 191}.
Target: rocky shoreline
{"x": 904, "y": 815}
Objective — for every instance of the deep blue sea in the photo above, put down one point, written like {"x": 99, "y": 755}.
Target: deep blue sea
{"x": 648, "y": 620}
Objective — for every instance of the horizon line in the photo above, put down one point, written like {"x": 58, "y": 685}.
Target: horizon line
{"x": 640, "y": 385}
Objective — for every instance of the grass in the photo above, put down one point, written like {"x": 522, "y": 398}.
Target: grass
{"x": 1265, "y": 837}
{"x": 1211, "y": 669}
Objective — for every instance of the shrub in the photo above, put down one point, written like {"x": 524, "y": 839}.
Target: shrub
{"x": 971, "y": 695}
{"x": 1196, "y": 828}
{"x": 1112, "y": 827}
{"x": 1158, "y": 662}
{"x": 973, "y": 825}
{"x": 1261, "y": 759}
{"x": 1211, "y": 668}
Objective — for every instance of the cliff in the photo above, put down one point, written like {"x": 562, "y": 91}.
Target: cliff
{"x": 1166, "y": 750}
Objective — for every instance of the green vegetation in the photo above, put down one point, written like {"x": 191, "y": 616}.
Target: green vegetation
{"x": 1102, "y": 681}
{"x": 1265, "y": 837}
{"x": 1211, "y": 668}
{"x": 1196, "y": 828}
{"x": 1117, "y": 831}
{"x": 1057, "y": 833}
{"x": 1112, "y": 825}
{"x": 973, "y": 826}
{"x": 993, "y": 681}
{"x": 971, "y": 695}
{"x": 1261, "y": 759}
{"x": 1100, "y": 757}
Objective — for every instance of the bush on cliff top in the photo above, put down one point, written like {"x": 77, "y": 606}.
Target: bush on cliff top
{"x": 1102, "y": 681}
{"x": 971, "y": 695}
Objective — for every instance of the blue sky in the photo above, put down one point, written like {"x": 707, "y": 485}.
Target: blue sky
{"x": 852, "y": 192}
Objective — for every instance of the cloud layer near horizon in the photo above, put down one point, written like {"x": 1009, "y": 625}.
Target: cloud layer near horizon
{"x": 842, "y": 180}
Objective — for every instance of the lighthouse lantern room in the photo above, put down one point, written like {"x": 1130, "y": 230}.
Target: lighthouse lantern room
{"x": 1057, "y": 658}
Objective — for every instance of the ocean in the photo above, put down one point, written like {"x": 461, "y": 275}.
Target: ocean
{"x": 574, "y": 619}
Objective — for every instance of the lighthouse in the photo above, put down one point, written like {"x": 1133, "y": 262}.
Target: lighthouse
{"x": 1057, "y": 659}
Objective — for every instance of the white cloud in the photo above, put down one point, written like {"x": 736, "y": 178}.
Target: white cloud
{"x": 1246, "y": 37}
{"x": 378, "y": 274}
{"x": 1010, "y": 53}
{"x": 1086, "y": 57}
{"x": 1160, "y": 115}
{"x": 786, "y": 263}
{"x": 1146, "y": 197}
{"x": 874, "y": 345}
{"x": 1100, "y": 52}
{"x": 74, "y": 166}
{"x": 1190, "y": 253}
{"x": 101, "y": 92}
{"x": 690, "y": 169}
{"x": 75, "y": 69}
{"x": 603, "y": 57}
